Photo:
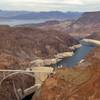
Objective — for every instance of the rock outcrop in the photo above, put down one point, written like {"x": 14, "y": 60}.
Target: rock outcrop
{"x": 64, "y": 55}
{"x": 79, "y": 83}
{"x": 87, "y": 24}
{"x": 21, "y": 45}
{"x": 11, "y": 84}
{"x": 49, "y": 62}
{"x": 90, "y": 42}
{"x": 44, "y": 62}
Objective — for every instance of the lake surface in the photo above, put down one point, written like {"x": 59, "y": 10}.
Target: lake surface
{"x": 13, "y": 22}
{"x": 77, "y": 57}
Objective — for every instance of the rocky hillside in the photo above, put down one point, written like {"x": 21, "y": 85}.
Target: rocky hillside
{"x": 87, "y": 24}
{"x": 94, "y": 36}
{"x": 50, "y": 15}
{"x": 14, "y": 82}
{"x": 80, "y": 83}
{"x": 89, "y": 18}
{"x": 51, "y": 25}
{"x": 20, "y": 45}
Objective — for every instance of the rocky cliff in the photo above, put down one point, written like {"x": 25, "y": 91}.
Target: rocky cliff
{"x": 87, "y": 24}
{"x": 79, "y": 83}
{"x": 19, "y": 45}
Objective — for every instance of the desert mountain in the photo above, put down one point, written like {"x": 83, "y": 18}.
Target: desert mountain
{"x": 74, "y": 83}
{"x": 51, "y": 25}
{"x": 87, "y": 24}
{"x": 52, "y": 15}
{"x": 19, "y": 44}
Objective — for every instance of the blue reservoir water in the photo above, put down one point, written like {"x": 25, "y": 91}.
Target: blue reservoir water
{"x": 13, "y": 22}
{"x": 76, "y": 58}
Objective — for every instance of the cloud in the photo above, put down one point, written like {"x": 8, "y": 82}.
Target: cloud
{"x": 47, "y": 5}
{"x": 91, "y": 2}
{"x": 45, "y": 1}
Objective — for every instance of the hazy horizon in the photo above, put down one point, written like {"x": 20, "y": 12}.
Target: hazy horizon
{"x": 48, "y": 11}
{"x": 50, "y": 5}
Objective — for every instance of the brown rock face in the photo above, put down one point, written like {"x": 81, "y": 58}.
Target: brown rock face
{"x": 74, "y": 83}
{"x": 51, "y": 25}
{"x": 90, "y": 17}
{"x": 53, "y": 89}
{"x": 94, "y": 58}
{"x": 95, "y": 36}
{"x": 26, "y": 44}
{"x": 16, "y": 81}
{"x": 87, "y": 24}
{"x": 58, "y": 89}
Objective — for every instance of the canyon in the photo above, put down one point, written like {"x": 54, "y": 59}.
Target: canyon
{"x": 23, "y": 45}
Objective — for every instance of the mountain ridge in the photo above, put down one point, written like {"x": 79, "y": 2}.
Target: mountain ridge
{"x": 87, "y": 24}
{"x": 39, "y": 15}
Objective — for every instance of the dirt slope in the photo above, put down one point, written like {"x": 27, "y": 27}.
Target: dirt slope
{"x": 19, "y": 81}
{"x": 80, "y": 83}
{"x": 20, "y": 45}
{"x": 87, "y": 24}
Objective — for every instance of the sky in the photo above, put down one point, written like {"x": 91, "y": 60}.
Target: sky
{"x": 51, "y": 5}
